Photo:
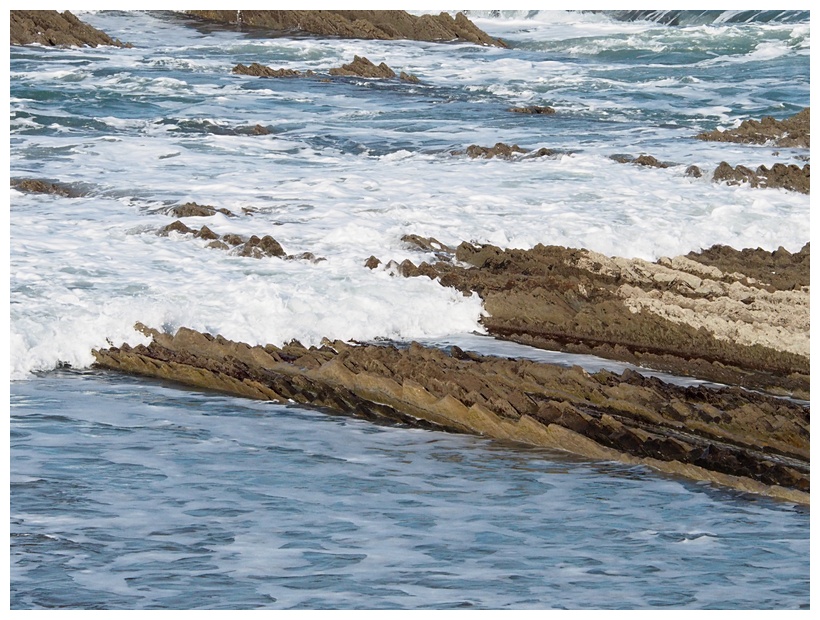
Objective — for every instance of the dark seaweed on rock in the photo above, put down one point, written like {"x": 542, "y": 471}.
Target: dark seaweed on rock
{"x": 730, "y": 436}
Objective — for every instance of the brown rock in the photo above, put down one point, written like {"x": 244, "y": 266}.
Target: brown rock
{"x": 192, "y": 209}
{"x": 38, "y": 186}
{"x": 358, "y": 24}
{"x": 792, "y": 132}
{"x": 683, "y": 315}
{"x": 408, "y": 77}
{"x": 729, "y": 436}
{"x": 532, "y": 109}
{"x": 362, "y": 67}
{"x": 791, "y": 177}
{"x": 55, "y": 29}
{"x": 258, "y": 70}
{"x": 501, "y": 150}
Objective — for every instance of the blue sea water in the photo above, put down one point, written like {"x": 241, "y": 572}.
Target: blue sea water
{"x": 128, "y": 493}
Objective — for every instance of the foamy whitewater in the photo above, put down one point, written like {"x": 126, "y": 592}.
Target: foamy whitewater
{"x": 349, "y": 168}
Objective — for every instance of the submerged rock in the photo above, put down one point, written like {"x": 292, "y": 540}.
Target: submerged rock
{"x": 258, "y": 70}
{"x": 39, "y": 186}
{"x": 792, "y": 132}
{"x": 53, "y": 28}
{"x": 748, "y": 326}
{"x": 192, "y": 209}
{"x": 729, "y": 436}
{"x": 358, "y": 24}
{"x": 362, "y": 67}
{"x": 532, "y": 109}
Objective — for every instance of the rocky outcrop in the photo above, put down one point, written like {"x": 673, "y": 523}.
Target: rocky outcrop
{"x": 790, "y": 177}
{"x": 362, "y": 67}
{"x": 39, "y": 186}
{"x": 253, "y": 246}
{"x": 718, "y": 317}
{"x": 358, "y": 24}
{"x": 503, "y": 151}
{"x": 642, "y": 160}
{"x": 192, "y": 209}
{"x": 729, "y": 436}
{"x": 792, "y": 132}
{"x": 53, "y": 28}
{"x": 532, "y": 109}
{"x": 258, "y": 70}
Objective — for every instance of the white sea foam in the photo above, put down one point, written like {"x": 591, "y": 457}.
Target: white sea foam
{"x": 349, "y": 169}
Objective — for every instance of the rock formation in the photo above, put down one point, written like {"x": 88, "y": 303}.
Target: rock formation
{"x": 38, "y": 186}
{"x": 731, "y": 317}
{"x": 790, "y": 177}
{"x": 503, "y": 151}
{"x": 532, "y": 109}
{"x": 730, "y": 436}
{"x": 253, "y": 246}
{"x": 55, "y": 29}
{"x": 192, "y": 209}
{"x": 358, "y": 24}
{"x": 788, "y": 133}
{"x": 259, "y": 70}
{"x": 362, "y": 67}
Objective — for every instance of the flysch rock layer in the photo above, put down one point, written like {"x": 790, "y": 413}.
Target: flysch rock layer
{"x": 358, "y": 24}
{"x": 739, "y": 318}
{"x": 792, "y": 132}
{"x": 53, "y": 28}
{"x": 728, "y": 436}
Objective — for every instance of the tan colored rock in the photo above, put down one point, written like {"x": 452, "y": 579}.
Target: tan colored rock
{"x": 728, "y": 436}
{"x": 722, "y": 315}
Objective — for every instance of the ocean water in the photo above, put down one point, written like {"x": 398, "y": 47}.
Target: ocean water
{"x": 128, "y": 493}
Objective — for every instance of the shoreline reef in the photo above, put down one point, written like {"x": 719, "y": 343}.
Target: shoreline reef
{"x": 729, "y": 436}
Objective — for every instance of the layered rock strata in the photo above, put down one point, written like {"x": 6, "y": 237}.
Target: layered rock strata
{"x": 53, "y": 28}
{"x": 792, "y": 132}
{"x": 738, "y": 318}
{"x": 729, "y": 436}
{"x": 362, "y": 67}
{"x": 358, "y": 24}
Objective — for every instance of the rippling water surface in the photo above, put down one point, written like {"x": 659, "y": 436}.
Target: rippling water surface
{"x": 133, "y": 494}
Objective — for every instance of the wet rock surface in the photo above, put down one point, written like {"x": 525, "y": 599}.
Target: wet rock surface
{"x": 503, "y": 151}
{"x": 790, "y": 177}
{"x": 358, "y": 24}
{"x": 717, "y": 315}
{"x": 362, "y": 67}
{"x": 258, "y": 70}
{"x": 56, "y": 29}
{"x": 40, "y": 186}
{"x": 729, "y": 436}
{"x": 253, "y": 246}
{"x": 792, "y": 132}
{"x": 192, "y": 209}
{"x": 532, "y": 109}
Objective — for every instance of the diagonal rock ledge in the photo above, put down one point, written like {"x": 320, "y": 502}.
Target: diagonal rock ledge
{"x": 729, "y": 436}
{"x": 739, "y": 318}
{"x": 55, "y": 29}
